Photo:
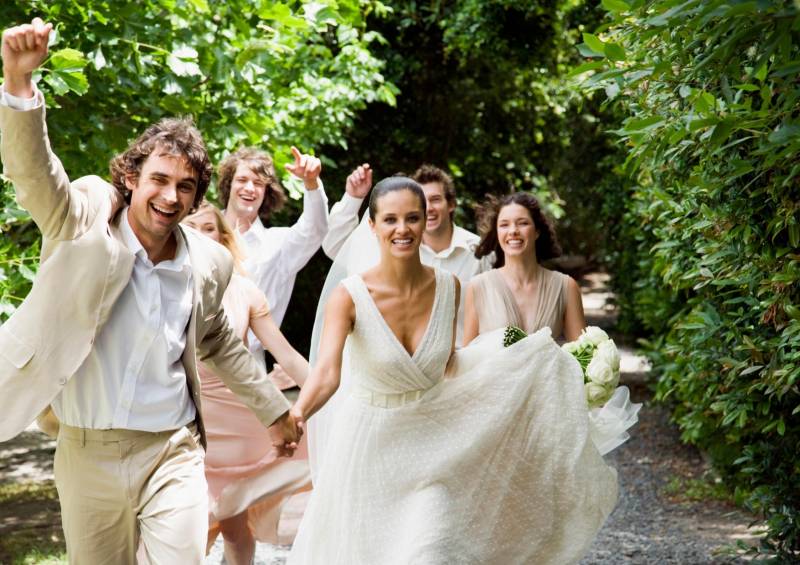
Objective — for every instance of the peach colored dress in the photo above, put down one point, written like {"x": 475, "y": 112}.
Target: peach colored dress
{"x": 242, "y": 469}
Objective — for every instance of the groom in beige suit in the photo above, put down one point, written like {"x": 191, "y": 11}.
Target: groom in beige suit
{"x": 125, "y": 303}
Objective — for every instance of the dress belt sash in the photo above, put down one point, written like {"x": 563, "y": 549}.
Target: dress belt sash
{"x": 392, "y": 400}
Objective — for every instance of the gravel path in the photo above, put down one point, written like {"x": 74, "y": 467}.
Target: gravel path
{"x": 654, "y": 522}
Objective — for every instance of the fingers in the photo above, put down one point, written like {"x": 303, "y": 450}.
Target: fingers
{"x": 28, "y": 37}
{"x": 41, "y": 32}
{"x": 313, "y": 167}
{"x": 285, "y": 449}
{"x": 297, "y": 155}
{"x": 306, "y": 167}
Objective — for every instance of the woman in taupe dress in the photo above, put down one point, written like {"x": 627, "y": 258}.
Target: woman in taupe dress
{"x": 519, "y": 291}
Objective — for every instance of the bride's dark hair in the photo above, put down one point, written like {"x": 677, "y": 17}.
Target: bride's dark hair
{"x": 547, "y": 246}
{"x": 393, "y": 184}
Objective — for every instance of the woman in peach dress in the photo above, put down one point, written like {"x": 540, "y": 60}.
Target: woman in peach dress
{"x": 247, "y": 483}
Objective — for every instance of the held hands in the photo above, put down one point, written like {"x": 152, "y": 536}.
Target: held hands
{"x": 285, "y": 434}
{"x": 359, "y": 182}
{"x": 23, "y": 50}
{"x": 306, "y": 167}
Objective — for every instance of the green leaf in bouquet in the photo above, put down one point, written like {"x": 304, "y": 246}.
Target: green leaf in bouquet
{"x": 512, "y": 335}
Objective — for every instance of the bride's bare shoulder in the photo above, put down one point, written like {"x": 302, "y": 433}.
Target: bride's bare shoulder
{"x": 340, "y": 302}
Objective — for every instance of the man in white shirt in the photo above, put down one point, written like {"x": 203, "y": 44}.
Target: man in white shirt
{"x": 251, "y": 193}
{"x": 444, "y": 244}
{"x": 123, "y": 306}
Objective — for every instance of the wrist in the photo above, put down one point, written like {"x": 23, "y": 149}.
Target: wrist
{"x": 297, "y": 413}
{"x": 18, "y": 84}
{"x": 311, "y": 185}
{"x": 351, "y": 204}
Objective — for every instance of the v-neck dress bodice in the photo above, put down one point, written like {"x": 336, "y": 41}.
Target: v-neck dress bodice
{"x": 378, "y": 361}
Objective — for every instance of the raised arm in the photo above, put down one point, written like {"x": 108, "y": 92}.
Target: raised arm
{"x": 344, "y": 214}
{"x": 41, "y": 185}
{"x": 306, "y": 235}
{"x": 24, "y": 49}
{"x": 326, "y": 374}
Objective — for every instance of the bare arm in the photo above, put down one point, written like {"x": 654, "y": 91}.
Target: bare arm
{"x": 222, "y": 350}
{"x": 270, "y": 336}
{"x": 574, "y": 320}
{"x": 470, "y": 316}
{"x": 326, "y": 374}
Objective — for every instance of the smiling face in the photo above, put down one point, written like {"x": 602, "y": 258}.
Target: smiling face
{"x": 439, "y": 208}
{"x": 205, "y": 221}
{"x": 247, "y": 191}
{"x": 161, "y": 196}
{"x": 399, "y": 223}
{"x": 516, "y": 232}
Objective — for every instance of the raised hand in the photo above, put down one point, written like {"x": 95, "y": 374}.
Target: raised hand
{"x": 285, "y": 434}
{"x": 23, "y": 50}
{"x": 359, "y": 181}
{"x": 306, "y": 167}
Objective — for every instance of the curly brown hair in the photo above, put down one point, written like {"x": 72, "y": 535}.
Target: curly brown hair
{"x": 429, "y": 173}
{"x": 547, "y": 246}
{"x": 261, "y": 163}
{"x": 175, "y": 136}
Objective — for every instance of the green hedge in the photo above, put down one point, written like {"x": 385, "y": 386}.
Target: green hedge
{"x": 707, "y": 242}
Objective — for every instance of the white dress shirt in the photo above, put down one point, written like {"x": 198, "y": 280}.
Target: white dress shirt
{"x": 22, "y": 104}
{"x": 274, "y": 256}
{"x": 459, "y": 257}
{"x": 133, "y": 377}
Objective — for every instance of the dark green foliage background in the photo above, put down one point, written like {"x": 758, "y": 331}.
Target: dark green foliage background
{"x": 710, "y": 235}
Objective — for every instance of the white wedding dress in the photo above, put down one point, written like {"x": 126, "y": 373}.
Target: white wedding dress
{"x": 493, "y": 465}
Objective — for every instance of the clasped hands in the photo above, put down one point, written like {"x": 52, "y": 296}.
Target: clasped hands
{"x": 286, "y": 431}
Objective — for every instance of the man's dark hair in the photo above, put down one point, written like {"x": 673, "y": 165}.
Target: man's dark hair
{"x": 429, "y": 173}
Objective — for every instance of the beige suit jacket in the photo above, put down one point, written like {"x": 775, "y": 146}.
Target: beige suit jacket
{"x": 84, "y": 268}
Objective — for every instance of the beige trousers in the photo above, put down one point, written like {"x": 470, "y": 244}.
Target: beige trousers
{"x": 123, "y": 489}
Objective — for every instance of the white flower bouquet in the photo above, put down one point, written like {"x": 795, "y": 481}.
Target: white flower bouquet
{"x": 599, "y": 360}
{"x": 611, "y": 412}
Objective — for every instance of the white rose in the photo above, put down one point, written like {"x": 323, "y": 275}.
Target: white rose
{"x": 607, "y": 351}
{"x": 596, "y": 395}
{"x": 600, "y": 372}
{"x": 571, "y": 347}
{"x": 594, "y": 335}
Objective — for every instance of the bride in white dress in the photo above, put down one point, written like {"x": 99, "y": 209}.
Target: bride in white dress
{"x": 492, "y": 465}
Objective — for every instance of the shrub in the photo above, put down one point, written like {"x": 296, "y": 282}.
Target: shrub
{"x": 710, "y": 236}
